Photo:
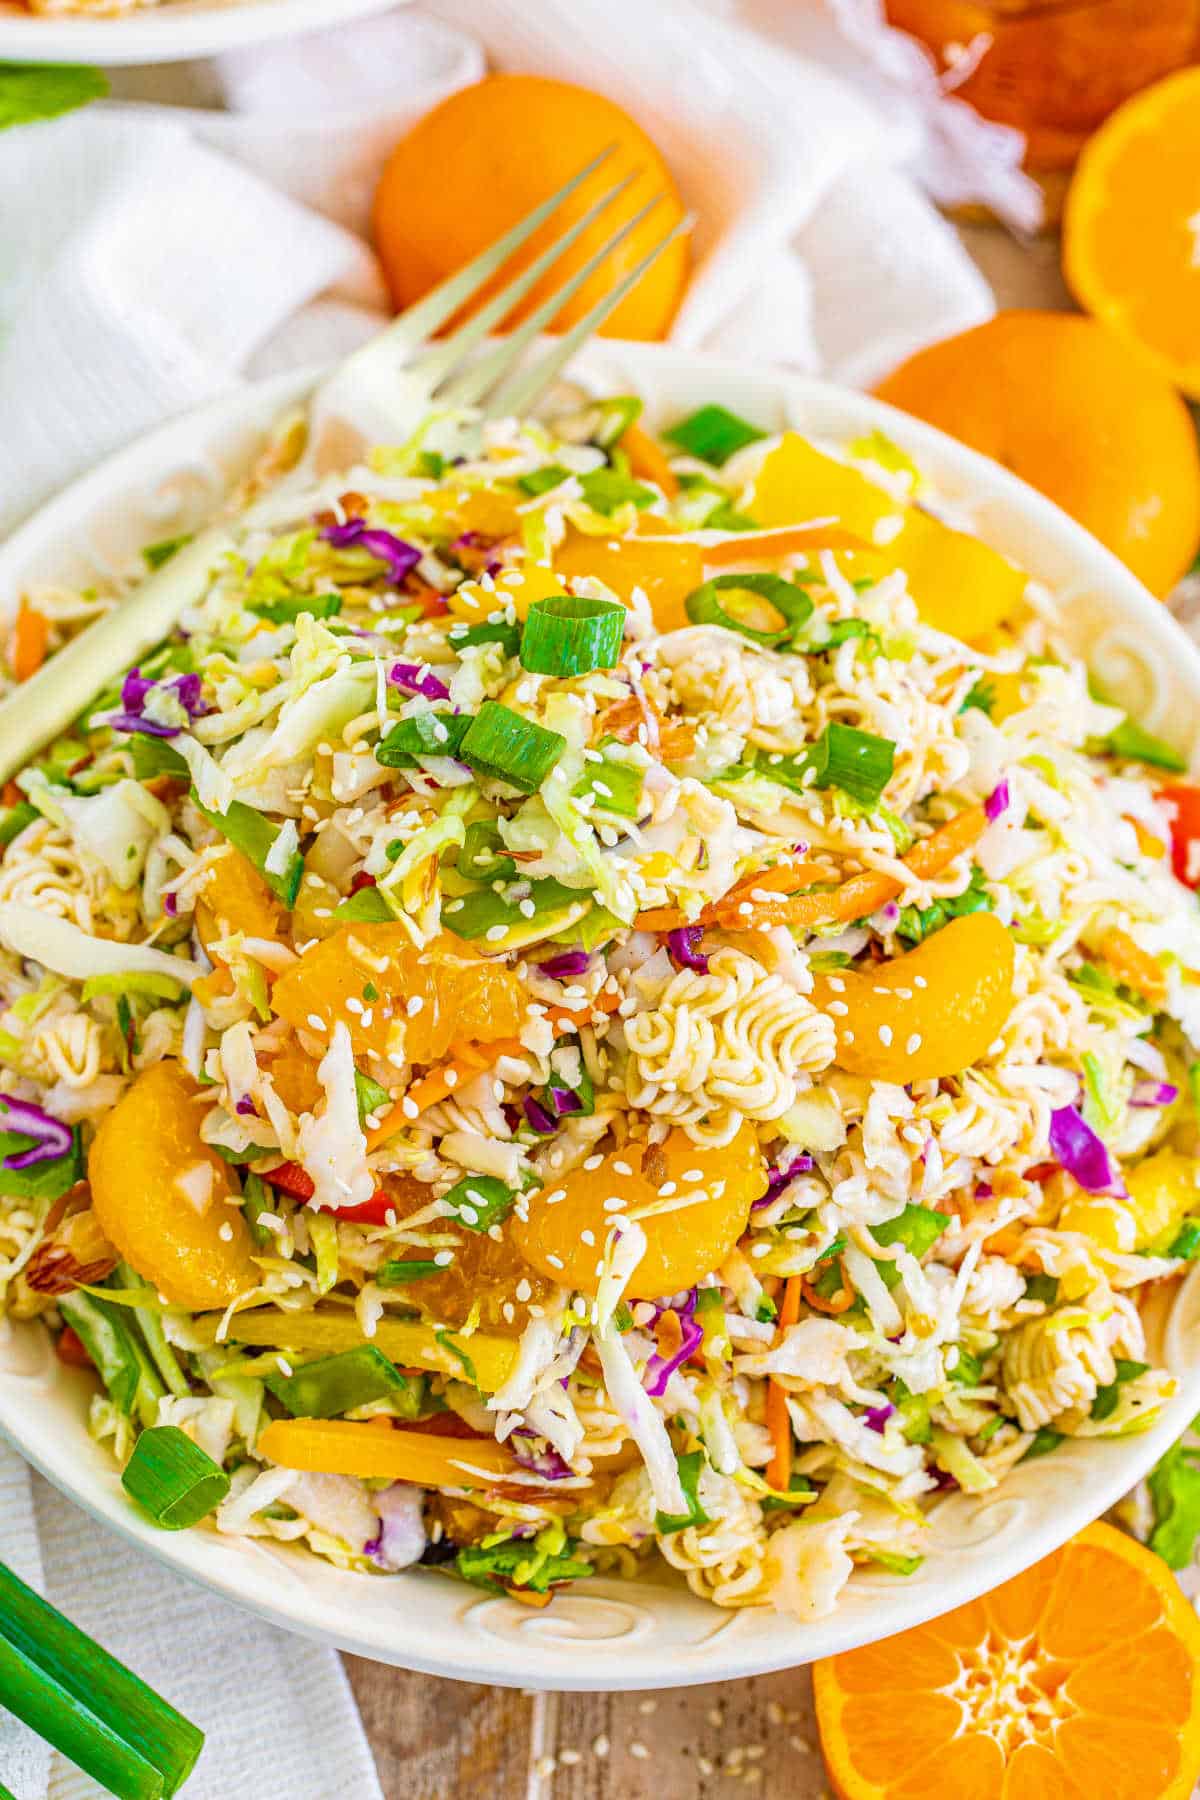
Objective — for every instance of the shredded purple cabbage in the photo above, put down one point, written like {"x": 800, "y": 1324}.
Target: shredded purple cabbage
{"x": 681, "y": 946}
{"x": 537, "y": 1116}
{"x": 246, "y": 1107}
{"x": 136, "y": 688}
{"x": 565, "y": 1100}
{"x": 401, "y": 558}
{"x": 566, "y": 965}
{"x": 544, "y": 1461}
{"x": 659, "y": 1369}
{"x": 997, "y": 801}
{"x": 876, "y": 1417}
{"x": 1082, "y": 1154}
{"x": 1153, "y": 1093}
{"x": 51, "y": 1138}
{"x": 779, "y": 1178}
{"x": 418, "y": 680}
{"x": 171, "y": 905}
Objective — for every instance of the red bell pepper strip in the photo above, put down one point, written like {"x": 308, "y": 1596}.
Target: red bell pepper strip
{"x": 291, "y": 1179}
{"x": 1184, "y": 802}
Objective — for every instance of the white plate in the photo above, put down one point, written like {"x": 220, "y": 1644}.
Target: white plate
{"x": 605, "y": 1634}
{"x": 172, "y": 31}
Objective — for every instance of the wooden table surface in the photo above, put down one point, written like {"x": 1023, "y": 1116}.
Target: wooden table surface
{"x": 444, "y": 1740}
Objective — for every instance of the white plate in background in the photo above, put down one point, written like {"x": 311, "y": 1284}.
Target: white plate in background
{"x": 171, "y": 31}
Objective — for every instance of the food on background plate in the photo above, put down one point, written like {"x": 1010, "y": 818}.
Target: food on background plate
{"x": 619, "y": 1001}
{"x": 1079, "y": 414}
{"x": 1078, "y": 1677}
{"x": 446, "y": 193}
{"x": 1130, "y": 226}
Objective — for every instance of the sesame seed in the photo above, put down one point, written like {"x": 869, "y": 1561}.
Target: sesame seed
{"x": 451, "y": 1078}
{"x": 557, "y": 1263}
{"x": 414, "y": 1006}
{"x": 316, "y": 1022}
{"x": 600, "y": 1746}
{"x": 226, "y": 1233}
{"x": 524, "y": 1291}
{"x": 885, "y": 1034}
{"x": 494, "y": 933}
{"x": 638, "y": 1751}
{"x": 838, "y": 1008}
{"x": 409, "y": 1108}
{"x": 443, "y": 1258}
{"x": 757, "y": 1250}
{"x": 913, "y": 1044}
{"x": 592, "y": 1162}
{"x": 615, "y": 1203}
{"x": 693, "y": 1174}
{"x": 588, "y": 1237}
{"x": 554, "y": 1198}
{"x": 920, "y": 981}
{"x": 622, "y": 1168}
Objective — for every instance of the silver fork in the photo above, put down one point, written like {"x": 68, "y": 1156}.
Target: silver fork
{"x": 379, "y": 394}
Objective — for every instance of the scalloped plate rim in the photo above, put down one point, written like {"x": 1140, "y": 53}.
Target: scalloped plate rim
{"x": 324, "y": 1604}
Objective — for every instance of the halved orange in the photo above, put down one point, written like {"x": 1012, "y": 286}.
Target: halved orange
{"x": 1078, "y": 1680}
{"x": 1131, "y": 228}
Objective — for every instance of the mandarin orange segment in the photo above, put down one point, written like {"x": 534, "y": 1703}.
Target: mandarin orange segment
{"x": 294, "y": 1074}
{"x": 234, "y": 897}
{"x": 165, "y": 1199}
{"x": 928, "y": 1013}
{"x": 485, "y": 1272}
{"x": 518, "y": 588}
{"x": 665, "y": 570}
{"x": 564, "y": 1235}
{"x": 397, "y": 999}
{"x": 1078, "y": 1679}
{"x": 797, "y": 482}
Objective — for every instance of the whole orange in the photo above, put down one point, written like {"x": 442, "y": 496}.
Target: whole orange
{"x": 1068, "y": 406}
{"x": 485, "y": 157}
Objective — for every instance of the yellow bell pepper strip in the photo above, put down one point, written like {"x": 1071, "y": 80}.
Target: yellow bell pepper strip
{"x": 372, "y": 1452}
{"x": 794, "y": 540}
{"x": 405, "y": 1342}
{"x": 648, "y": 460}
{"x": 1133, "y": 966}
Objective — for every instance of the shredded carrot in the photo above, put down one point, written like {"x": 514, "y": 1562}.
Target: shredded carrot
{"x": 782, "y": 880}
{"x": 648, "y": 460}
{"x": 1147, "y": 843}
{"x": 12, "y": 794}
{"x": 1134, "y": 966}
{"x": 30, "y": 637}
{"x": 836, "y": 1303}
{"x": 757, "y": 546}
{"x": 466, "y": 1061}
{"x": 779, "y": 1469}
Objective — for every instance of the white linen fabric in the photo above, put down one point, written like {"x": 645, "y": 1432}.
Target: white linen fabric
{"x": 156, "y": 254}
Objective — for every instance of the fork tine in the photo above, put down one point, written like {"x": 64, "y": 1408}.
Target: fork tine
{"x": 422, "y": 320}
{"x": 470, "y": 387}
{"x": 445, "y": 356}
{"x": 524, "y": 386}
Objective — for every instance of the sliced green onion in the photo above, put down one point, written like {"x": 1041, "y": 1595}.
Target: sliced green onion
{"x": 427, "y": 733}
{"x": 254, "y": 835}
{"x": 150, "y": 1327}
{"x": 497, "y": 631}
{"x": 172, "y": 1479}
{"x": 857, "y": 762}
{"x": 402, "y": 1270}
{"x": 1043, "y": 1288}
{"x": 286, "y": 612}
{"x": 1186, "y": 1242}
{"x": 371, "y": 1097}
{"x": 122, "y": 1364}
{"x": 367, "y": 907}
{"x": 606, "y": 489}
{"x": 615, "y": 787}
{"x": 565, "y": 636}
{"x": 87, "y": 1704}
{"x": 480, "y": 1201}
{"x": 483, "y": 856}
{"x": 1108, "y": 1397}
{"x": 14, "y": 819}
{"x": 713, "y": 434}
{"x": 616, "y": 415}
{"x": 258, "y": 1198}
{"x": 728, "y": 518}
{"x": 475, "y": 915}
{"x": 323, "y": 1238}
{"x": 155, "y": 555}
{"x": 333, "y": 1385}
{"x": 502, "y": 744}
{"x": 917, "y": 1228}
{"x": 540, "y": 481}
{"x": 982, "y": 697}
{"x": 787, "y": 601}
{"x": 1129, "y": 740}
{"x": 147, "y": 986}
{"x": 689, "y": 1476}
{"x": 799, "y": 1492}
{"x": 1045, "y": 1439}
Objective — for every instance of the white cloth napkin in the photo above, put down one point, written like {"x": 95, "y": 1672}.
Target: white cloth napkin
{"x": 157, "y": 254}
{"x": 277, "y": 1711}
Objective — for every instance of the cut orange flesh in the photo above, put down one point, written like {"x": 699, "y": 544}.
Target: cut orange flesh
{"x": 1076, "y": 1681}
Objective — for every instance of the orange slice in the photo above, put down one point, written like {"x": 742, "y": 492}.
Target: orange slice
{"x": 1076, "y": 1680}
{"x": 1131, "y": 229}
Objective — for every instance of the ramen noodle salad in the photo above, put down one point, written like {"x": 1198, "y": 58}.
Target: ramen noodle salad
{"x": 617, "y": 1001}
